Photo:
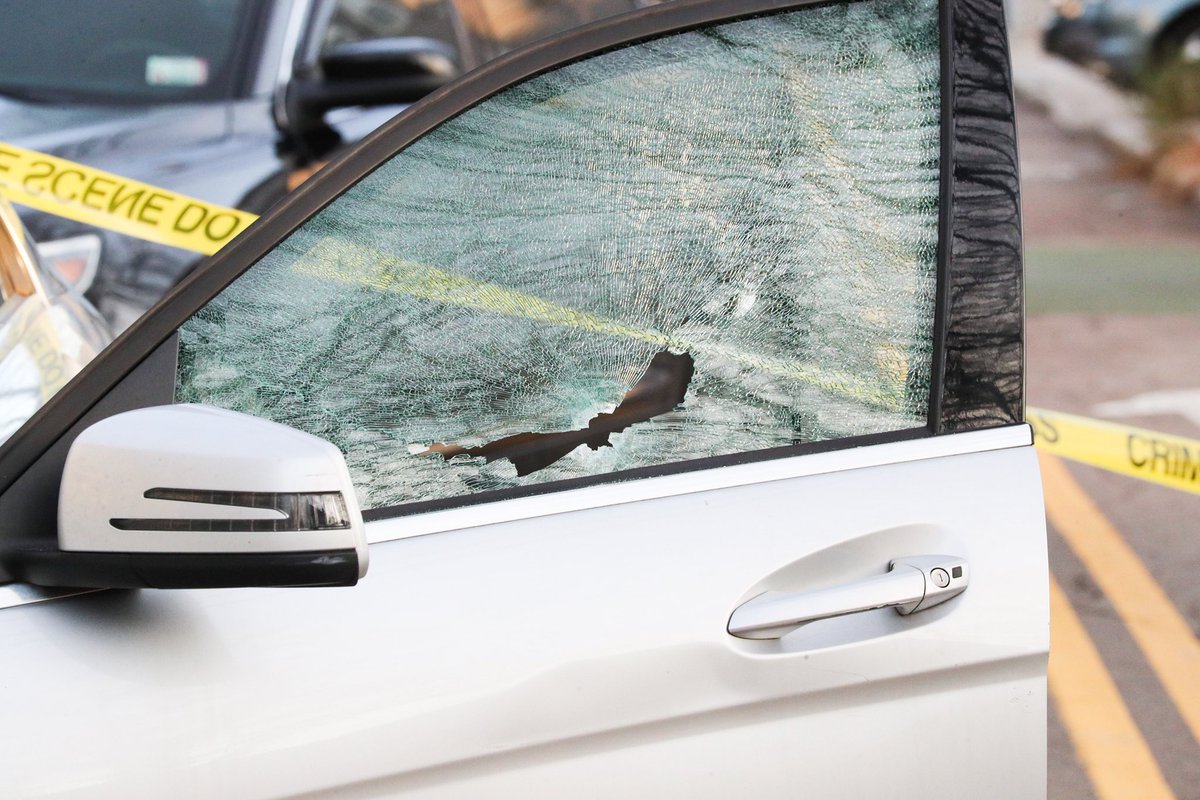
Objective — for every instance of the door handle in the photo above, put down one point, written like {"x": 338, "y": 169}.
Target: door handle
{"x": 912, "y": 584}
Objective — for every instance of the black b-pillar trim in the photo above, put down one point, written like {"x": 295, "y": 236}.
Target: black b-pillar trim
{"x": 983, "y": 368}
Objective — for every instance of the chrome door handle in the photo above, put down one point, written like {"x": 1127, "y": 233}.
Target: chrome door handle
{"x": 912, "y": 584}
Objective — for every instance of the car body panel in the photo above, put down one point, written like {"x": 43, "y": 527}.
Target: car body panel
{"x": 589, "y": 643}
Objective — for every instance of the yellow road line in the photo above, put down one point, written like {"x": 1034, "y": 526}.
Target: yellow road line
{"x": 1113, "y": 752}
{"x": 1161, "y": 632}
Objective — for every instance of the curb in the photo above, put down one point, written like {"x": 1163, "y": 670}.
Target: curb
{"x": 1082, "y": 102}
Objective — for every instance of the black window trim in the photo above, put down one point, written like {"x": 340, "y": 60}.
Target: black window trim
{"x": 977, "y": 371}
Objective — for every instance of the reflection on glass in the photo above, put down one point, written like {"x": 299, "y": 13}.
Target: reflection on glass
{"x": 359, "y": 20}
{"x": 751, "y": 207}
{"x": 47, "y": 331}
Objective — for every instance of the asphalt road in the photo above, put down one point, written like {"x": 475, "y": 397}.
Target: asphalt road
{"x": 1113, "y": 295}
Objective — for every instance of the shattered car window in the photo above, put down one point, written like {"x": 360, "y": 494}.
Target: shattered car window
{"x": 715, "y": 242}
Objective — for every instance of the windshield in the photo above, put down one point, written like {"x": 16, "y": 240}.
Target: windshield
{"x": 121, "y": 50}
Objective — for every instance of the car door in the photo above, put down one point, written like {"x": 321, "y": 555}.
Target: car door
{"x": 670, "y": 358}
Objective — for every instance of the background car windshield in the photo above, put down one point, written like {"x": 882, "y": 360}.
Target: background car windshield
{"x": 128, "y": 51}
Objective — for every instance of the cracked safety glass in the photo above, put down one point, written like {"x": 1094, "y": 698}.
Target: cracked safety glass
{"x": 717, "y": 242}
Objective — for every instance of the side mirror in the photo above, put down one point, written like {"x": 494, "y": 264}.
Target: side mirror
{"x": 376, "y": 72}
{"x": 189, "y": 496}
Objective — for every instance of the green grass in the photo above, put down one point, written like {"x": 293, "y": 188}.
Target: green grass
{"x": 1173, "y": 94}
{"x": 1118, "y": 279}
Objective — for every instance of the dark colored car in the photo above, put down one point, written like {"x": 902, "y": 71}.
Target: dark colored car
{"x": 1125, "y": 38}
{"x": 231, "y": 101}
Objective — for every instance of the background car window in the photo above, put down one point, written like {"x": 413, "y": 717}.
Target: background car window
{"x": 716, "y": 242}
{"x": 502, "y": 25}
{"x": 358, "y": 20}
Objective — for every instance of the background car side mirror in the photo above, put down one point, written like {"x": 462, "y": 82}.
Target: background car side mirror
{"x": 375, "y": 72}
{"x": 189, "y": 496}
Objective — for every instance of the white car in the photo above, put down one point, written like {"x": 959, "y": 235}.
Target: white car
{"x": 670, "y": 371}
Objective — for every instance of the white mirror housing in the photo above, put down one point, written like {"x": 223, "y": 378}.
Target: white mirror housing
{"x": 193, "y": 496}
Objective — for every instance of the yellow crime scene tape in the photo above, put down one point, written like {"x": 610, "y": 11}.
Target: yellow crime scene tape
{"x": 1160, "y": 458}
{"x": 99, "y": 198}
